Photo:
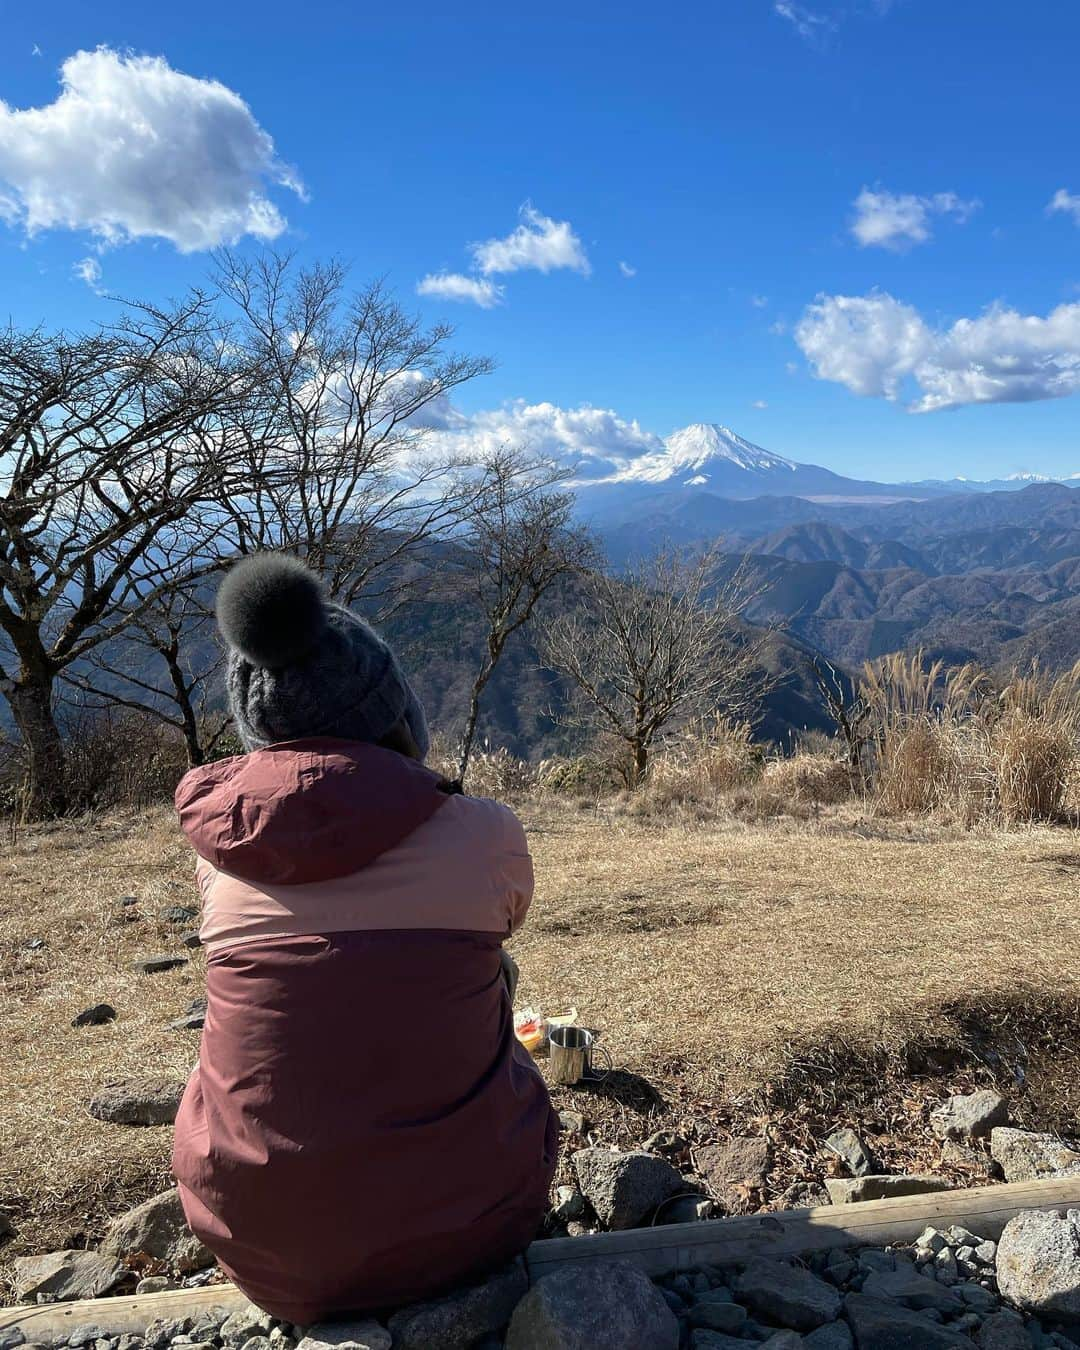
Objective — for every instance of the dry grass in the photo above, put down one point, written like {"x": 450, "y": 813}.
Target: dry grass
{"x": 783, "y": 976}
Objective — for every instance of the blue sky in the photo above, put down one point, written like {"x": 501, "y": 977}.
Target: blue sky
{"x": 838, "y": 210}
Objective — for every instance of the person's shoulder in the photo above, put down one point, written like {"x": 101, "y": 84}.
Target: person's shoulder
{"x": 493, "y": 820}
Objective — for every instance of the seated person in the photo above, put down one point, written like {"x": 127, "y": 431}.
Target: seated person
{"x": 362, "y": 1129}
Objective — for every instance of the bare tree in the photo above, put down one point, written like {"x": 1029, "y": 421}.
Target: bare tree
{"x": 660, "y": 643}
{"x": 847, "y": 707}
{"x": 355, "y": 388}
{"x": 165, "y": 665}
{"x": 519, "y": 542}
{"x": 109, "y": 445}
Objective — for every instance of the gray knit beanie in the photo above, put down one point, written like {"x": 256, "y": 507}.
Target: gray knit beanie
{"x": 301, "y": 666}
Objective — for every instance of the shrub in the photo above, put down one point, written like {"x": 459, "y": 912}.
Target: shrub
{"x": 811, "y": 779}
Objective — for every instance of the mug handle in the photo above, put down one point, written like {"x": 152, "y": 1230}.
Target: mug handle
{"x": 598, "y": 1075}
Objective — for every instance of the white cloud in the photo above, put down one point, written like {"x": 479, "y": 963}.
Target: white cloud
{"x": 874, "y": 344}
{"x": 627, "y": 270}
{"x": 778, "y": 327}
{"x": 898, "y": 220}
{"x": 35, "y": 50}
{"x": 760, "y": 301}
{"x": 1067, "y": 202}
{"x": 88, "y": 270}
{"x": 759, "y": 403}
{"x": 538, "y": 244}
{"x": 457, "y": 286}
{"x": 132, "y": 149}
{"x": 806, "y": 22}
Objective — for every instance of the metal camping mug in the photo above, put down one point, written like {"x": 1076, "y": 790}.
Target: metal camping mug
{"x": 570, "y": 1055}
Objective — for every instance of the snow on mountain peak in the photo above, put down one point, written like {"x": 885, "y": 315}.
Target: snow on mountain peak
{"x": 695, "y": 448}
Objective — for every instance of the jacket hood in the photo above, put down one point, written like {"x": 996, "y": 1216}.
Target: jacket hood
{"x": 305, "y": 811}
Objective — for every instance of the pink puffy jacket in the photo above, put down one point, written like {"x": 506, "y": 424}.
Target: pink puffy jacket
{"x": 363, "y": 1129}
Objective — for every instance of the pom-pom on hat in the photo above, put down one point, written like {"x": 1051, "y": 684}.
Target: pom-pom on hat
{"x": 301, "y": 666}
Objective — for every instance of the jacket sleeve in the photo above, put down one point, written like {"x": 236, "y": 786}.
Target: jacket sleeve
{"x": 517, "y": 870}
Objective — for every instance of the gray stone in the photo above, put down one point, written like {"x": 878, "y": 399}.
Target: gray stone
{"x": 973, "y": 1162}
{"x": 1003, "y": 1331}
{"x": 788, "y": 1296}
{"x": 95, "y": 1016}
{"x": 684, "y": 1209}
{"x": 608, "y": 1306}
{"x": 573, "y": 1122}
{"x": 191, "y": 939}
{"x": 1024, "y": 1156}
{"x": 571, "y": 1204}
{"x": 703, "y": 1339}
{"x": 879, "y": 1324}
{"x": 85, "y": 1335}
{"x": 877, "y": 1187}
{"x": 366, "y": 1335}
{"x": 803, "y": 1195}
{"x": 832, "y": 1336}
{"x": 912, "y": 1290}
{"x": 664, "y": 1141}
{"x": 971, "y": 1116}
{"x": 986, "y": 1253}
{"x": 246, "y": 1322}
{"x": 734, "y": 1170}
{"x": 178, "y": 914}
{"x": 154, "y": 965}
{"x": 65, "y": 1275}
{"x": 718, "y": 1315}
{"x": 784, "y": 1340}
{"x": 128, "y": 900}
{"x": 625, "y": 1188}
{"x": 154, "y": 1284}
{"x": 138, "y": 1101}
{"x": 853, "y": 1151}
{"x": 10, "y": 1337}
{"x": 1038, "y": 1263}
{"x": 158, "y": 1228}
{"x": 459, "y": 1319}
{"x": 163, "y": 1330}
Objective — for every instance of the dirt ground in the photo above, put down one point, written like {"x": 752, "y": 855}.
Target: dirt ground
{"x": 778, "y": 979}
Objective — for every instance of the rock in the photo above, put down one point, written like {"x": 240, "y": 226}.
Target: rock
{"x": 163, "y": 1330}
{"x": 625, "y": 1188}
{"x": 138, "y": 1101}
{"x": 1038, "y": 1263}
{"x": 912, "y": 1290}
{"x": 1003, "y": 1331}
{"x": 971, "y": 1116}
{"x": 853, "y": 1151}
{"x": 802, "y": 1195}
{"x": 154, "y": 1284}
{"x": 7, "y": 1228}
{"x": 194, "y": 1017}
{"x": 191, "y": 939}
{"x": 977, "y": 1298}
{"x": 256, "y": 1343}
{"x": 788, "y": 1296}
{"x": 784, "y": 1340}
{"x": 65, "y": 1275}
{"x": 158, "y": 1228}
{"x": 664, "y": 1141}
{"x": 972, "y": 1161}
{"x": 571, "y": 1204}
{"x": 832, "y": 1336}
{"x": 876, "y": 1187}
{"x": 573, "y": 1122}
{"x": 128, "y": 900}
{"x": 178, "y": 914}
{"x": 154, "y": 965}
{"x": 246, "y": 1322}
{"x": 685, "y": 1209}
{"x": 96, "y": 1016}
{"x": 1024, "y": 1156}
{"x": 702, "y": 1339}
{"x": 718, "y": 1315}
{"x": 881, "y": 1325}
{"x": 366, "y": 1335}
{"x": 986, "y": 1253}
{"x": 459, "y": 1319}
{"x": 10, "y": 1337}
{"x": 608, "y": 1306}
{"x": 734, "y": 1169}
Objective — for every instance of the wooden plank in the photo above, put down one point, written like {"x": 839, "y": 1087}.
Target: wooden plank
{"x": 663, "y": 1250}
{"x": 667, "y": 1249}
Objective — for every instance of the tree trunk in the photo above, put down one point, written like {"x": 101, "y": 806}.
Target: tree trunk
{"x": 31, "y": 700}
{"x": 640, "y": 763}
{"x": 196, "y": 755}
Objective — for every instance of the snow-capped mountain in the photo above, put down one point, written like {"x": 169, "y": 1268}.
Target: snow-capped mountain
{"x": 694, "y": 456}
